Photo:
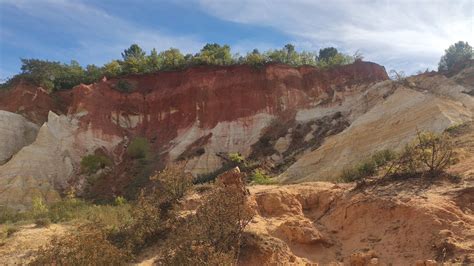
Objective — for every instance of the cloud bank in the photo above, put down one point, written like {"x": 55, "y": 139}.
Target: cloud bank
{"x": 404, "y": 35}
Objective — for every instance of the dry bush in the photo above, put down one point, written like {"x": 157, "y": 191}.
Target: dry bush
{"x": 173, "y": 181}
{"x": 151, "y": 210}
{"x": 435, "y": 151}
{"x": 85, "y": 246}
{"x": 213, "y": 234}
{"x": 145, "y": 226}
{"x": 430, "y": 154}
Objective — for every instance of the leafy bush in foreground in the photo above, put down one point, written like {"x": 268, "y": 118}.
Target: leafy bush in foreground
{"x": 214, "y": 234}
{"x": 152, "y": 209}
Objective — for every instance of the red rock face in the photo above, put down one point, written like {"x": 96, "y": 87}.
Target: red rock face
{"x": 32, "y": 102}
{"x": 165, "y": 102}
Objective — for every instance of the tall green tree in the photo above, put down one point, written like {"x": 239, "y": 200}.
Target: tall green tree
{"x": 172, "y": 59}
{"x": 93, "y": 73}
{"x": 276, "y": 56}
{"x": 254, "y": 58}
{"x": 457, "y": 53}
{"x": 112, "y": 69}
{"x": 70, "y": 76}
{"x": 134, "y": 51}
{"x": 41, "y": 72}
{"x": 214, "y": 54}
{"x": 153, "y": 61}
{"x": 134, "y": 60}
{"x": 327, "y": 53}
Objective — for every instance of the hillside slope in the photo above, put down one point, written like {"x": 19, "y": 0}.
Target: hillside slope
{"x": 428, "y": 102}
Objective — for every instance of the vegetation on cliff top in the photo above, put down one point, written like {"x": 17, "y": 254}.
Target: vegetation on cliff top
{"x": 54, "y": 76}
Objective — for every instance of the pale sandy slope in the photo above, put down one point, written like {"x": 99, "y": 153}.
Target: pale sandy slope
{"x": 430, "y": 103}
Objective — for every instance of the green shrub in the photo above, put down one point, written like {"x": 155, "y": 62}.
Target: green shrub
{"x": 383, "y": 157}
{"x": 92, "y": 163}
{"x": 68, "y": 209}
{"x": 124, "y": 86}
{"x": 236, "y": 157}
{"x": 260, "y": 178}
{"x": 350, "y": 174}
{"x": 369, "y": 167}
{"x": 39, "y": 208}
{"x": 6, "y": 231}
{"x": 138, "y": 148}
{"x": 120, "y": 201}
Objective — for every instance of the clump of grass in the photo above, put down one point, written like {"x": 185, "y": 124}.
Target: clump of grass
{"x": 368, "y": 167}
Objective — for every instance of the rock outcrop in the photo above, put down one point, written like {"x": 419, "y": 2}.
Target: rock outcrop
{"x": 45, "y": 167}
{"x": 15, "y": 133}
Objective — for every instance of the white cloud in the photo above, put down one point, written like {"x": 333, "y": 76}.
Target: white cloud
{"x": 100, "y": 36}
{"x": 406, "y": 35}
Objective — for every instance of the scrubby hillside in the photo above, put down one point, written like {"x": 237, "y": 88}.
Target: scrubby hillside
{"x": 391, "y": 220}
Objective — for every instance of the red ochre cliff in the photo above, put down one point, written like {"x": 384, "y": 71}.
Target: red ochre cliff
{"x": 224, "y": 109}
{"x": 165, "y": 102}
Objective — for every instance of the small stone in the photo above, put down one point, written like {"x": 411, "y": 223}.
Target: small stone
{"x": 374, "y": 261}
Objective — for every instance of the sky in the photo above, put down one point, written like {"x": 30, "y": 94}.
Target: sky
{"x": 405, "y": 35}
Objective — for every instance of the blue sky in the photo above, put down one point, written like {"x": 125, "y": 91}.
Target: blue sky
{"x": 402, "y": 35}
